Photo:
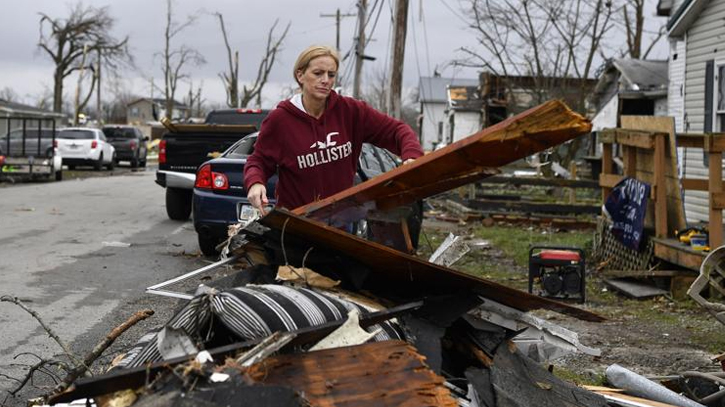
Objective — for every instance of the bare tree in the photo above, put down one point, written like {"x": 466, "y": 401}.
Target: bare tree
{"x": 8, "y": 94}
{"x": 175, "y": 60}
{"x": 64, "y": 39}
{"x": 231, "y": 78}
{"x": 265, "y": 66}
{"x": 634, "y": 25}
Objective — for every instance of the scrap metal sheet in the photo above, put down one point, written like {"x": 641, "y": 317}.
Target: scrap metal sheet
{"x": 473, "y": 158}
{"x": 389, "y": 373}
{"x": 406, "y": 275}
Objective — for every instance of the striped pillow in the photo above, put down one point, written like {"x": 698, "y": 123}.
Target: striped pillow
{"x": 256, "y": 311}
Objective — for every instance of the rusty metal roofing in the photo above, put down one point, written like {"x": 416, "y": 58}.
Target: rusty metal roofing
{"x": 473, "y": 158}
{"x": 392, "y": 271}
{"x": 389, "y": 373}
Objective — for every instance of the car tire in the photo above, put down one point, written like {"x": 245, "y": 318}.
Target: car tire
{"x": 207, "y": 245}
{"x": 178, "y": 203}
{"x": 143, "y": 164}
{"x": 59, "y": 175}
{"x": 111, "y": 165}
{"x": 134, "y": 162}
{"x": 98, "y": 165}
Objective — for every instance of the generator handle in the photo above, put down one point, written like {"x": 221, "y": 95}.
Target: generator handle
{"x": 571, "y": 248}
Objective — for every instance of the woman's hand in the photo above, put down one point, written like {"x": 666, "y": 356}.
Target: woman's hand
{"x": 408, "y": 161}
{"x": 257, "y": 196}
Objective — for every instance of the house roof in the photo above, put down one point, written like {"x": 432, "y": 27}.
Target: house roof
{"x": 684, "y": 16}
{"x": 160, "y": 102}
{"x": 664, "y": 7}
{"x": 433, "y": 88}
{"x": 13, "y": 109}
{"x": 464, "y": 98}
{"x": 643, "y": 75}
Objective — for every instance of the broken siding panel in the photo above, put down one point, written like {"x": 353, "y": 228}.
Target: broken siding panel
{"x": 389, "y": 373}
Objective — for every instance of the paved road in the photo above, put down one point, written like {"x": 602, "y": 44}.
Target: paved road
{"x": 60, "y": 254}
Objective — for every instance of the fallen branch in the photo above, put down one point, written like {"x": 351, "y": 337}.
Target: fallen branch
{"x": 80, "y": 369}
{"x": 51, "y": 333}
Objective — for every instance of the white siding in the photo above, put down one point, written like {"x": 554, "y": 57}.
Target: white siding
{"x": 606, "y": 118}
{"x": 433, "y": 113}
{"x": 676, "y": 88}
{"x": 466, "y": 124}
{"x": 703, "y": 42}
{"x": 660, "y": 107}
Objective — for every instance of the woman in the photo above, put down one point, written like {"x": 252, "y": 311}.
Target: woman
{"x": 313, "y": 140}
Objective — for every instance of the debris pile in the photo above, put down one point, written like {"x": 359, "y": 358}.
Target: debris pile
{"x": 324, "y": 318}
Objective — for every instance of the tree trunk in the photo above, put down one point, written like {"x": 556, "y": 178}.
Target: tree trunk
{"x": 58, "y": 90}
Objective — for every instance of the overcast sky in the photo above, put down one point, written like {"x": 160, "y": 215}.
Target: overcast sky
{"x": 434, "y": 35}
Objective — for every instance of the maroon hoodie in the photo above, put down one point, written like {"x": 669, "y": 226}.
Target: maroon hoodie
{"x": 316, "y": 158}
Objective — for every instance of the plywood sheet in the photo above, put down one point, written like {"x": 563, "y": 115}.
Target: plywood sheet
{"x": 645, "y": 168}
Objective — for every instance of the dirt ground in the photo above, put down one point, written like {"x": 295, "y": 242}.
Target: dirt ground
{"x": 653, "y": 337}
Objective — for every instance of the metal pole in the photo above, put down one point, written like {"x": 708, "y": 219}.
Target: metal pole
{"x": 360, "y": 48}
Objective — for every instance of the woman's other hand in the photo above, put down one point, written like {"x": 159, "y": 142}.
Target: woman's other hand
{"x": 257, "y": 196}
{"x": 408, "y": 161}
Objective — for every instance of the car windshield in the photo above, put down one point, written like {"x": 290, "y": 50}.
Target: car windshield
{"x": 116, "y": 133}
{"x": 76, "y": 134}
{"x": 243, "y": 148}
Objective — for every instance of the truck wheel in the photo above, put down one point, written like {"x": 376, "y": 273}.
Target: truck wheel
{"x": 178, "y": 203}
{"x": 59, "y": 175}
{"x": 98, "y": 165}
{"x": 134, "y": 162}
{"x": 208, "y": 245}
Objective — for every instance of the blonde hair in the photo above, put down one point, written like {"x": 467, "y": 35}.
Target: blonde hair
{"x": 312, "y": 52}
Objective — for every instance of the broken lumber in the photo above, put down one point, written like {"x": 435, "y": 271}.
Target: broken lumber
{"x": 475, "y": 157}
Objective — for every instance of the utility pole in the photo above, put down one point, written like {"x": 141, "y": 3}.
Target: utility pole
{"x": 360, "y": 47}
{"x": 338, "y": 17}
{"x": 99, "y": 107}
{"x": 398, "y": 56}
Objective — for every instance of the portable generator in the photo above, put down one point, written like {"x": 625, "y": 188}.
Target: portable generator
{"x": 557, "y": 272}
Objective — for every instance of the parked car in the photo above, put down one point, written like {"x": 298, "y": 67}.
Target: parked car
{"x": 220, "y": 199}
{"x": 85, "y": 146}
{"x": 129, "y": 142}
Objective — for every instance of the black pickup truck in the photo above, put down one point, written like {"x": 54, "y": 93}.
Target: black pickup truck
{"x": 186, "y": 146}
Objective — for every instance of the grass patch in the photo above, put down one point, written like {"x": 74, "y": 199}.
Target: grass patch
{"x": 515, "y": 242}
{"x": 578, "y": 378}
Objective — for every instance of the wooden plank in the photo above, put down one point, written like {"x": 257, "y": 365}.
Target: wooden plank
{"x": 676, "y": 253}
{"x": 617, "y": 396}
{"x": 645, "y": 165}
{"x": 660, "y": 193}
{"x": 718, "y": 143}
{"x": 693, "y": 184}
{"x": 690, "y": 140}
{"x": 643, "y": 140}
{"x": 609, "y": 180}
{"x": 470, "y": 159}
{"x": 718, "y": 200}
{"x": 630, "y": 161}
{"x": 550, "y": 182}
{"x": 715, "y": 187}
{"x": 607, "y": 136}
{"x": 607, "y": 169}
